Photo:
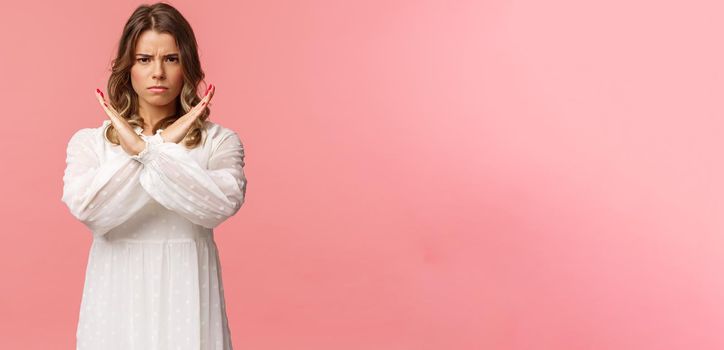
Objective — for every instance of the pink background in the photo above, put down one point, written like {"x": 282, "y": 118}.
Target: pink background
{"x": 422, "y": 174}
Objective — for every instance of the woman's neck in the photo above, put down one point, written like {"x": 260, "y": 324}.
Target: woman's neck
{"x": 152, "y": 115}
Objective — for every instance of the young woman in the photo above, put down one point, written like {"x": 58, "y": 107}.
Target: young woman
{"x": 151, "y": 183}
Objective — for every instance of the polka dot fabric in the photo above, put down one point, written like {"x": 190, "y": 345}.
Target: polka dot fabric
{"x": 153, "y": 278}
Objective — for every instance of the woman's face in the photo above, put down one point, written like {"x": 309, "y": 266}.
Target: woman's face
{"x": 157, "y": 62}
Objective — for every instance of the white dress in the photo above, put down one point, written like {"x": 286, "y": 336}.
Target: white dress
{"x": 153, "y": 278}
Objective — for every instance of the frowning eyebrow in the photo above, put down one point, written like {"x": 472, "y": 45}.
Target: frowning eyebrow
{"x": 147, "y": 55}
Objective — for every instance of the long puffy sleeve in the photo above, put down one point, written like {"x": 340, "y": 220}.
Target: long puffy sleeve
{"x": 206, "y": 197}
{"x": 102, "y": 195}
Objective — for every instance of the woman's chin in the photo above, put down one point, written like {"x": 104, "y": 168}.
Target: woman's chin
{"x": 158, "y": 101}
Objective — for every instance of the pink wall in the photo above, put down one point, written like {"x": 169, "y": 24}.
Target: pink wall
{"x": 422, "y": 174}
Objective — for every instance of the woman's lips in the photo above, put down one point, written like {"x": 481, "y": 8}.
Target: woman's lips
{"x": 153, "y": 89}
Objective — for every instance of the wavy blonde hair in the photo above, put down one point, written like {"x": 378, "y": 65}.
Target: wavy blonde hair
{"x": 162, "y": 18}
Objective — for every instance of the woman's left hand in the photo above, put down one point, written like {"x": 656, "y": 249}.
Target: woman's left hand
{"x": 179, "y": 128}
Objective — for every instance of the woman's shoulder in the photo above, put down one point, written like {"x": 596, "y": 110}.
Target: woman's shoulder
{"x": 216, "y": 131}
{"x": 89, "y": 135}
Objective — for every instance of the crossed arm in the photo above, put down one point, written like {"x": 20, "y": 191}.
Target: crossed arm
{"x": 102, "y": 195}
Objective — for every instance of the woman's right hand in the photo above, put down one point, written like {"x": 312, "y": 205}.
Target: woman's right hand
{"x": 127, "y": 137}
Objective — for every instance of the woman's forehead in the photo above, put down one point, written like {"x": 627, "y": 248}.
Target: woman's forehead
{"x": 152, "y": 42}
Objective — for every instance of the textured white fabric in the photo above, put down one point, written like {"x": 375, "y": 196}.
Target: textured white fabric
{"x": 153, "y": 278}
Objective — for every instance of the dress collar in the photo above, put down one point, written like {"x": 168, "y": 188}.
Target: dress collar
{"x": 137, "y": 129}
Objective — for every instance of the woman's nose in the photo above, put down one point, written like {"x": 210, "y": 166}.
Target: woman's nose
{"x": 158, "y": 71}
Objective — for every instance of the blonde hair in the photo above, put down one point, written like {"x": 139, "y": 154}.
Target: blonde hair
{"x": 162, "y": 18}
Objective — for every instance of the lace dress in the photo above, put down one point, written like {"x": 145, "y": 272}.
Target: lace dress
{"x": 153, "y": 278}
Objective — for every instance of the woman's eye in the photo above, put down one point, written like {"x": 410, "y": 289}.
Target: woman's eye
{"x": 145, "y": 58}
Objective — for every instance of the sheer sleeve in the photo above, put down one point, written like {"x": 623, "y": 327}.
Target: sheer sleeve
{"x": 102, "y": 195}
{"x": 206, "y": 197}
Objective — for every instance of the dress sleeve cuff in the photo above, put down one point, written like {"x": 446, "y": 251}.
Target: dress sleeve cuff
{"x": 150, "y": 144}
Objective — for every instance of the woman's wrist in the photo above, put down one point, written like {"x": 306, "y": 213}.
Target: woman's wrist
{"x": 138, "y": 147}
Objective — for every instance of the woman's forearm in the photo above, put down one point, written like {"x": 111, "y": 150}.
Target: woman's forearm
{"x": 177, "y": 131}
